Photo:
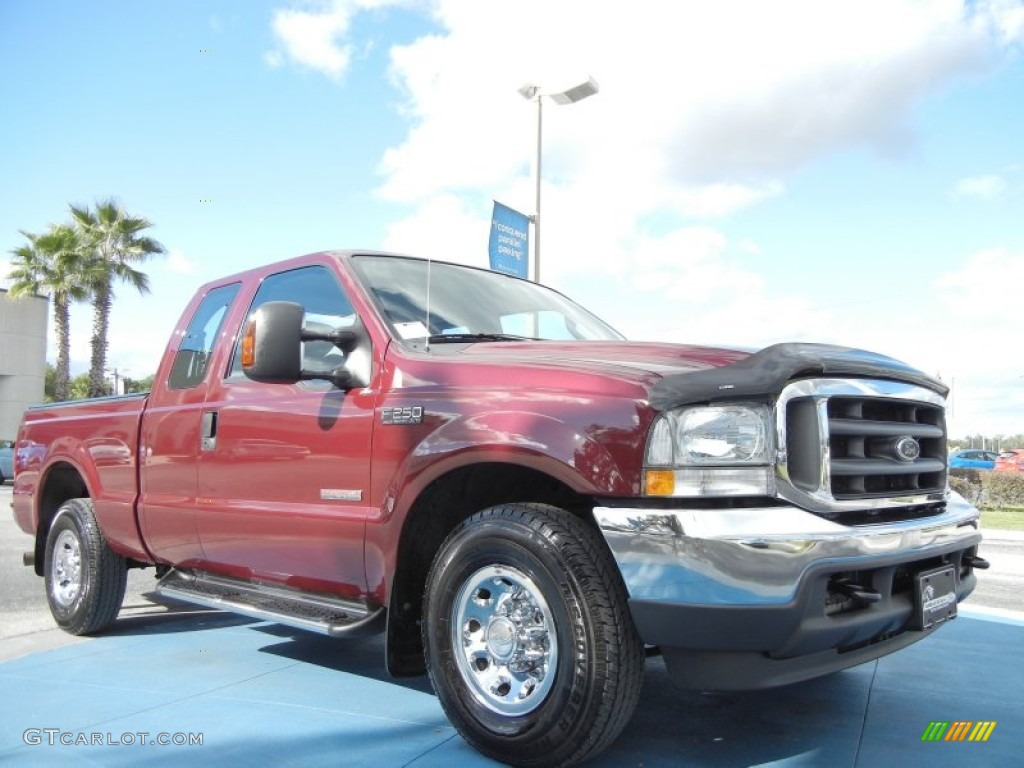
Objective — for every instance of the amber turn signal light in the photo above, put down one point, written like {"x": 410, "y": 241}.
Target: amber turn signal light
{"x": 249, "y": 345}
{"x": 659, "y": 482}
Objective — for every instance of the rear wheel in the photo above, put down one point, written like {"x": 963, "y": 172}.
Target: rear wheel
{"x": 529, "y": 642}
{"x": 85, "y": 579}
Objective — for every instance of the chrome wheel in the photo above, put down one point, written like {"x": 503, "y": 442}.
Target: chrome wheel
{"x": 504, "y": 640}
{"x": 66, "y": 581}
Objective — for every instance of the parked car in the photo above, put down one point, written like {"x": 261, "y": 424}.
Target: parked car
{"x": 972, "y": 458}
{"x": 1010, "y": 461}
{"x": 6, "y": 461}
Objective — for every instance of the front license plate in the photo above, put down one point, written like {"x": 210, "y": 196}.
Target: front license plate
{"x": 934, "y": 597}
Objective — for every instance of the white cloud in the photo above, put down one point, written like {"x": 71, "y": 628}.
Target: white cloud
{"x": 969, "y": 343}
{"x": 1009, "y": 20}
{"x": 314, "y": 38}
{"x": 441, "y": 229}
{"x": 179, "y": 263}
{"x": 316, "y": 33}
{"x": 691, "y": 94}
{"x": 722, "y": 199}
{"x": 702, "y": 106}
{"x": 704, "y": 110}
{"x": 987, "y": 187}
{"x": 689, "y": 286}
{"x": 987, "y": 288}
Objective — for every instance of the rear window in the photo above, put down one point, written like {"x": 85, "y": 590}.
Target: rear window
{"x": 193, "y": 356}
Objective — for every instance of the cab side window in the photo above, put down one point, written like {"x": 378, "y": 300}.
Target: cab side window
{"x": 327, "y": 307}
{"x": 193, "y": 356}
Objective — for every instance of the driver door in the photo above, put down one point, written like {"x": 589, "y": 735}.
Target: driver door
{"x": 284, "y": 472}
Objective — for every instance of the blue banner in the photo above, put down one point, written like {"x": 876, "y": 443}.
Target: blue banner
{"x": 508, "y": 245}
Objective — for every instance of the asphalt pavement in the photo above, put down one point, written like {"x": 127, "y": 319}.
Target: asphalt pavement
{"x": 170, "y": 684}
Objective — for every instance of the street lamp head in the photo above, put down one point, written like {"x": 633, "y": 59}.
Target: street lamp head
{"x": 568, "y": 96}
{"x": 529, "y": 90}
{"x": 576, "y": 93}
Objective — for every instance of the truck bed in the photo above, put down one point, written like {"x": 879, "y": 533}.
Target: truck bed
{"x": 99, "y": 439}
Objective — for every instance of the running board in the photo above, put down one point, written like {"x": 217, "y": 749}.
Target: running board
{"x": 331, "y": 616}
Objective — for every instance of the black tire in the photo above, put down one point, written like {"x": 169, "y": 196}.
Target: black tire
{"x": 85, "y": 579}
{"x": 556, "y": 674}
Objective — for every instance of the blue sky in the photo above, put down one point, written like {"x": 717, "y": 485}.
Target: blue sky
{"x": 847, "y": 172}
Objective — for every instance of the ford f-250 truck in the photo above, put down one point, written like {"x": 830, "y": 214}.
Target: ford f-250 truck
{"x": 526, "y": 503}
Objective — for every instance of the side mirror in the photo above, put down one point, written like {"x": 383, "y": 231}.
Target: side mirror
{"x": 272, "y": 347}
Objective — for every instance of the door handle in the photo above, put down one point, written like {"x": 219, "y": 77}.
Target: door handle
{"x": 208, "y": 441}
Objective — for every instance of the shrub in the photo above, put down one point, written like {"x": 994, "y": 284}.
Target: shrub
{"x": 1003, "y": 489}
{"x": 967, "y": 489}
{"x": 972, "y": 476}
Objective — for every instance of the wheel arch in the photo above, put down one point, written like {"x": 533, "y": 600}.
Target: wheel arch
{"x": 61, "y": 482}
{"x": 439, "y": 508}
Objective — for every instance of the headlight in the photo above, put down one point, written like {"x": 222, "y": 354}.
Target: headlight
{"x": 711, "y": 451}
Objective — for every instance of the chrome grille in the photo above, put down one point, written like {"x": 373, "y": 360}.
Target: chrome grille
{"x": 869, "y": 447}
{"x": 856, "y": 444}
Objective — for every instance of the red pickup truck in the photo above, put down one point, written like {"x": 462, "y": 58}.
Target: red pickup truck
{"x": 526, "y": 503}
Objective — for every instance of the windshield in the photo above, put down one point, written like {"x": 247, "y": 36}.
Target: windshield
{"x": 471, "y": 305}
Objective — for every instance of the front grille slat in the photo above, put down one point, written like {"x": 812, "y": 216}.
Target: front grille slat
{"x": 848, "y": 467}
{"x": 883, "y": 428}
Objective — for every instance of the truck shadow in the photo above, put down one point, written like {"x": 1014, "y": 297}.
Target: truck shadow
{"x": 807, "y": 721}
{"x": 671, "y": 727}
{"x": 157, "y": 615}
{"x": 353, "y": 656}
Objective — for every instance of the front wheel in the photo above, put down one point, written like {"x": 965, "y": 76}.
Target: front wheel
{"x": 529, "y": 643}
{"x": 85, "y": 579}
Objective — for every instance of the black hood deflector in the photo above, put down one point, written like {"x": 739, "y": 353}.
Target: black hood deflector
{"x": 767, "y": 372}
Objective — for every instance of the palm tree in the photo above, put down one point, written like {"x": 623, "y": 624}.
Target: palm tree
{"x": 114, "y": 244}
{"x": 53, "y": 264}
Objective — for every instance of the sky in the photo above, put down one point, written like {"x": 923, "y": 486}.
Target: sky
{"x": 848, "y": 172}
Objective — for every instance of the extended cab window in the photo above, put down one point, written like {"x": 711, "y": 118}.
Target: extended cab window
{"x": 193, "y": 356}
{"x": 327, "y": 307}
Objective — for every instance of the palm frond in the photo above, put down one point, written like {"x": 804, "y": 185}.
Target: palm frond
{"x": 82, "y": 216}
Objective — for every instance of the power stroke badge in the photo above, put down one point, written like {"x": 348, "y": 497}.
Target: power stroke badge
{"x": 402, "y": 415}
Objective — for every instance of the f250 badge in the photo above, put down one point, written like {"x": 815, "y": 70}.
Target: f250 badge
{"x": 408, "y": 414}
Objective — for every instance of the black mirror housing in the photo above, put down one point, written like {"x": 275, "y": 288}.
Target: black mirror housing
{"x": 272, "y": 347}
{"x": 272, "y": 343}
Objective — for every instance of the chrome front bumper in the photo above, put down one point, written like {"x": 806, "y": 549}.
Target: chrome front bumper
{"x": 738, "y": 599}
{"x": 759, "y": 556}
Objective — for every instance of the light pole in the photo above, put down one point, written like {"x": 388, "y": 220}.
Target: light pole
{"x": 118, "y": 377}
{"x": 571, "y": 95}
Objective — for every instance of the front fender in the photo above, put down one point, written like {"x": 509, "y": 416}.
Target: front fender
{"x": 517, "y": 439}
{"x": 531, "y": 440}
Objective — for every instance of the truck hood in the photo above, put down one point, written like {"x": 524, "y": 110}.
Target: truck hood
{"x": 681, "y": 374}
{"x": 641, "y": 361}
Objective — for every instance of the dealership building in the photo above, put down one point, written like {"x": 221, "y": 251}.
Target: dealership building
{"x": 22, "y": 357}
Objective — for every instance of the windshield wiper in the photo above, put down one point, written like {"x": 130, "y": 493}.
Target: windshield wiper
{"x": 469, "y": 338}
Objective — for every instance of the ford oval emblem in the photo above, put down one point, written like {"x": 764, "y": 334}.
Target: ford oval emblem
{"x": 908, "y": 449}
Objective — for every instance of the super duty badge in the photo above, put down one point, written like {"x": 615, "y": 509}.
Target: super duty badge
{"x": 408, "y": 414}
